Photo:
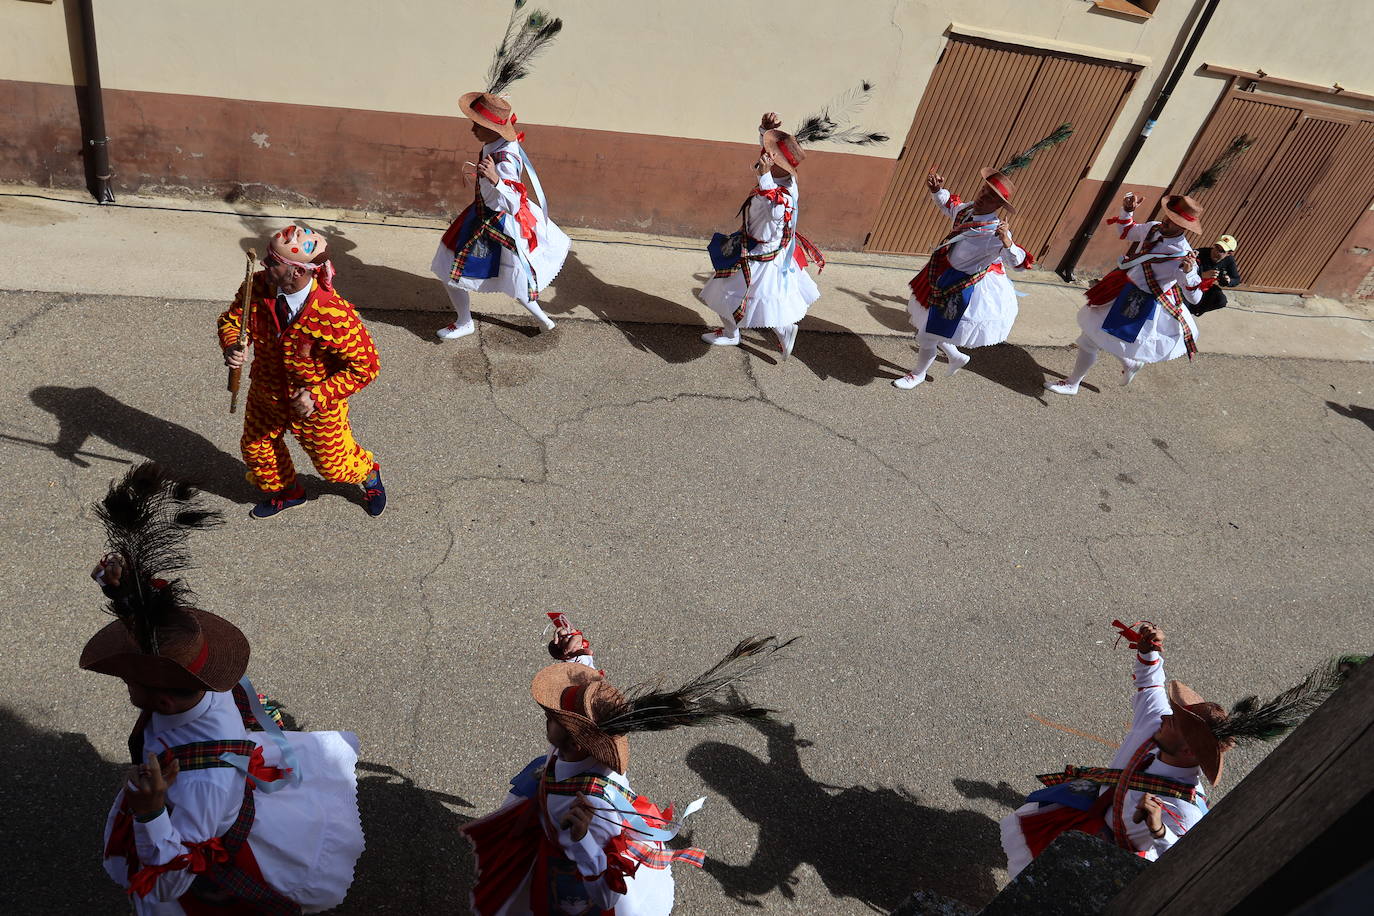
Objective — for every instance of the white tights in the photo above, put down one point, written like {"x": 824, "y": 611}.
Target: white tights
{"x": 925, "y": 357}
{"x": 462, "y": 304}
{"x": 1088, "y": 351}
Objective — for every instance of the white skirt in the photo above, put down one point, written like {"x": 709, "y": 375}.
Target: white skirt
{"x": 1160, "y": 339}
{"x": 546, "y": 260}
{"x": 307, "y": 838}
{"x": 988, "y": 319}
{"x": 777, "y": 297}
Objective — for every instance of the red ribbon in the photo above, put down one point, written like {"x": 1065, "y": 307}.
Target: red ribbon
{"x": 263, "y": 772}
{"x": 197, "y": 860}
{"x": 998, "y": 186}
{"x": 525, "y": 216}
{"x": 491, "y": 115}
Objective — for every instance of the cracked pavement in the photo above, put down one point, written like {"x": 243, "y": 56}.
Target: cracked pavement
{"x": 952, "y": 557}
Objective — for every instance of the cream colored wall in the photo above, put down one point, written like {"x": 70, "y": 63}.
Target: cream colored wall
{"x": 703, "y": 69}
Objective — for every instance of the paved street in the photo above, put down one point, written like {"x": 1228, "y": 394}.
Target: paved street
{"x": 951, "y": 556}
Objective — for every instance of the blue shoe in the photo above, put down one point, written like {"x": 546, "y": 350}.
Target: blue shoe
{"x": 375, "y": 490}
{"x": 286, "y": 499}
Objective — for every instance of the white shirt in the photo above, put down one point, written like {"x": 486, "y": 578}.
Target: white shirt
{"x": 1151, "y": 704}
{"x": 1167, "y": 273}
{"x": 977, "y": 248}
{"x": 295, "y": 301}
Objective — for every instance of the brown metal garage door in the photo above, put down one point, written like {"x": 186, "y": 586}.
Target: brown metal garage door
{"x": 986, "y": 102}
{"x": 1296, "y": 193}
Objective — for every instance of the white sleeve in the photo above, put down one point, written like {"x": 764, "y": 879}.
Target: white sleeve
{"x": 1151, "y": 701}
{"x": 203, "y": 810}
{"x": 589, "y": 853}
{"x": 502, "y": 196}
{"x": 1190, "y": 285}
{"x": 762, "y": 211}
{"x": 1014, "y": 256}
{"x": 942, "y": 200}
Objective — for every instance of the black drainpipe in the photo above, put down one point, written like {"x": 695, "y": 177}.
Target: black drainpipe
{"x": 1107, "y": 193}
{"x": 95, "y": 145}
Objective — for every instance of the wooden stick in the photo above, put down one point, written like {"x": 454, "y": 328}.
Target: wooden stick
{"x": 244, "y": 338}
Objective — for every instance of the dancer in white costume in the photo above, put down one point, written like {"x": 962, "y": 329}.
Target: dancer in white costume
{"x": 1139, "y": 312}
{"x": 222, "y": 812}
{"x": 503, "y": 242}
{"x": 962, "y": 297}
{"x": 760, "y": 279}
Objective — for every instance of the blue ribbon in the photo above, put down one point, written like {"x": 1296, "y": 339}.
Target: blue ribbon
{"x": 274, "y": 733}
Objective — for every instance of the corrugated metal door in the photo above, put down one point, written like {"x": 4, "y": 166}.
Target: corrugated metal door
{"x": 1291, "y": 198}
{"x": 985, "y": 103}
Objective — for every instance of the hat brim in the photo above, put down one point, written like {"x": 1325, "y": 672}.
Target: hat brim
{"x": 772, "y": 143}
{"x": 506, "y": 130}
{"x": 115, "y": 652}
{"x": 986, "y": 173}
{"x": 1192, "y": 224}
{"x": 1196, "y": 732}
{"x": 547, "y": 690}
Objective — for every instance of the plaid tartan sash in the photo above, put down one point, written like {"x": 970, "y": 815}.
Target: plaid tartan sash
{"x": 489, "y": 230}
{"x": 1139, "y": 782}
{"x": 1143, "y": 757}
{"x": 632, "y": 852}
{"x": 215, "y": 860}
{"x": 778, "y": 196}
{"x": 1171, "y": 301}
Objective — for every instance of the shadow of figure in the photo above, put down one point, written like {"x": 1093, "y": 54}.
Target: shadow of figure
{"x": 1010, "y": 366}
{"x": 894, "y": 319}
{"x": 82, "y": 413}
{"x": 55, "y": 799}
{"x": 1364, "y": 414}
{"x": 1004, "y": 793}
{"x": 840, "y": 354}
{"x": 416, "y": 861}
{"x": 388, "y": 295}
{"x": 875, "y": 845}
{"x": 676, "y": 339}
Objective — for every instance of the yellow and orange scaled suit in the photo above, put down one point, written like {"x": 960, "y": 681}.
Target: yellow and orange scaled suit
{"x": 325, "y": 350}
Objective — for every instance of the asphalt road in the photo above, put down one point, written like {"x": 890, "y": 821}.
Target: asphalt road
{"x": 951, "y": 557}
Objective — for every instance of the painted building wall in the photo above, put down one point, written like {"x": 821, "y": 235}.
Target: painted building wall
{"x": 640, "y": 116}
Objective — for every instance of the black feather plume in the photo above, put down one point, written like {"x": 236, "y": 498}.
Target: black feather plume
{"x": 707, "y": 698}
{"x": 1209, "y": 176}
{"x": 522, "y": 42}
{"x": 1021, "y": 160}
{"x": 832, "y": 123}
{"x": 1250, "y": 721}
{"x": 146, "y": 518}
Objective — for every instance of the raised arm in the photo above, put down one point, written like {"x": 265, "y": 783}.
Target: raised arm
{"x": 1150, "y": 701}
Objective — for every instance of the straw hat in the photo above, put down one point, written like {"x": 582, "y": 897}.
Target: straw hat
{"x": 785, "y": 150}
{"x": 1001, "y": 186}
{"x": 1196, "y": 718}
{"x": 578, "y": 697}
{"x": 1183, "y": 211}
{"x": 491, "y": 111}
{"x": 196, "y": 650}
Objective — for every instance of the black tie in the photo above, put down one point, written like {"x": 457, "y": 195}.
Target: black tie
{"x": 283, "y": 312}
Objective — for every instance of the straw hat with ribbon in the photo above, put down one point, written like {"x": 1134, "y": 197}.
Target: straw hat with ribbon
{"x": 784, "y": 149}
{"x": 522, "y": 42}
{"x": 600, "y": 718}
{"x": 1183, "y": 212}
{"x": 158, "y": 640}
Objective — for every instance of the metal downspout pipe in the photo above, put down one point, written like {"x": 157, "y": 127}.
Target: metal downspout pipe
{"x": 95, "y": 145}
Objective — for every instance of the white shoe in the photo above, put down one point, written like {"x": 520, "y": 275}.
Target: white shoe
{"x": 456, "y": 330}
{"x": 717, "y": 338}
{"x": 956, "y": 362}
{"x": 788, "y": 339}
{"x": 907, "y": 382}
{"x": 546, "y": 324}
{"x": 1061, "y": 387}
{"x": 1129, "y": 369}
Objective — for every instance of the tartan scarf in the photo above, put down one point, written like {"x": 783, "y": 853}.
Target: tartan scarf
{"x": 782, "y": 197}
{"x": 1171, "y": 301}
{"x": 489, "y": 228}
{"x": 1139, "y": 782}
{"x": 1142, "y": 758}
{"x": 623, "y": 854}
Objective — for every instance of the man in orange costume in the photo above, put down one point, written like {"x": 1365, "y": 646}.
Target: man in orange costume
{"x": 312, "y": 353}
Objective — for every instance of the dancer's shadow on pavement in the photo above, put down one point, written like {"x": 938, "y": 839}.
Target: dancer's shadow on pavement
{"x": 89, "y": 413}
{"x": 55, "y": 798}
{"x": 416, "y": 861}
{"x": 876, "y": 845}
{"x": 832, "y": 350}
{"x": 1364, "y": 414}
{"x": 386, "y": 295}
{"x": 676, "y": 340}
{"x": 894, "y": 319}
